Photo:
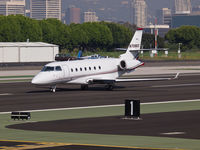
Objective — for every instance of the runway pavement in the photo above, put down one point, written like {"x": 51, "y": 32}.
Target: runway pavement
{"x": 24, "y": 96}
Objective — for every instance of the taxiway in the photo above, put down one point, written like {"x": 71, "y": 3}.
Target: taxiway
{"x": 24, "y": 96}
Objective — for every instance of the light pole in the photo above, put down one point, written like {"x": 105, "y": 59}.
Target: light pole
{"x": 179, "y": 50}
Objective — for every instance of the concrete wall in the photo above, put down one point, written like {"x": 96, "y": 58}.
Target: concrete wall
{"x": 28, "y": 54}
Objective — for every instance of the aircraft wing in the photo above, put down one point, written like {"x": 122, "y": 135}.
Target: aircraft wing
{"x": 147, "y": 79}
{"x": 112, "y": 81}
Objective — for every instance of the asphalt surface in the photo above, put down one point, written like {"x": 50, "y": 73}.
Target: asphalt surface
{"x": 24, "y": 96}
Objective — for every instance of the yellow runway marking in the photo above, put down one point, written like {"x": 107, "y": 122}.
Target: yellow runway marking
{"x": 35, "y": 145}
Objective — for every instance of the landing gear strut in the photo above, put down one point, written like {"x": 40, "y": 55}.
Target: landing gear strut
{"x": 84, "y": 87}
{"x": 109, "y": 87}
{"x": 53, "y": 89}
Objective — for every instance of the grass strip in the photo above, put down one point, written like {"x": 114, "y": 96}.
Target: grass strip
{"x": 15, "y": 80}
{"x": 26, "y": 76}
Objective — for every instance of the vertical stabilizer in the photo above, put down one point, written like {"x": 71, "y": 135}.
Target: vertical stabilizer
{"x": 136, "y": 41}
{"x": 134, "y": 46}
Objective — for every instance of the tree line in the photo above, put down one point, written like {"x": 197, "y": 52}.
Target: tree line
{"x": 89, "y": 36}
{"x": 188, "y": 36}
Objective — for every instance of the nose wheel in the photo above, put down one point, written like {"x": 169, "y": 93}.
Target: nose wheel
{"x": 53, "y": 89}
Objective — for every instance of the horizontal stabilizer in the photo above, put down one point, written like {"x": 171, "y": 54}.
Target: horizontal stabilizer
{"x": 121, "y": 49}
{"x": 158, "y": 49}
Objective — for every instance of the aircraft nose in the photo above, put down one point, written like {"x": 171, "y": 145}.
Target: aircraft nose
{"x": 35, "y": 80}
{"x": 41, "y": 79}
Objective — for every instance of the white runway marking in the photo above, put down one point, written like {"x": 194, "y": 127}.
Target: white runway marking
{"x": 173, "y": 133}
{"x": 106, "y": 106}
{"x": 174, "y": 85}
{"x": 5, "y": 94}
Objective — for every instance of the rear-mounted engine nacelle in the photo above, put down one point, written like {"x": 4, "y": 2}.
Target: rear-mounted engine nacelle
{"x": 129, "y": 64}
{"x": 122, "y": 65}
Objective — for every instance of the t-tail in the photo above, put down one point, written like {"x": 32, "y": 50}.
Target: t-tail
{"x": 134, "y": 46}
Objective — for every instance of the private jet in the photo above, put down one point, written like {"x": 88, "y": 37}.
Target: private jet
{"x": 94, "y": 71}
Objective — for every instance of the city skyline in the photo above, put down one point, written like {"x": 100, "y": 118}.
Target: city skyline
{"x": 109, "y": 10}
{"x": 120, "y": 10}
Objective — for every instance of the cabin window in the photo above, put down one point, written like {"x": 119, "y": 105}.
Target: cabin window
{"x": 71, "y": 70}
{"x": 48, "y": 68}
{"x": 89, "y": 68}
{"x": 76, "y": 69}
{"x": 58, "y": 68}
{"x": 80, "y": 69}
{"x": 99, "y": 67}
{"x": 85, "y": 69}
{"x": 94, "y": 68}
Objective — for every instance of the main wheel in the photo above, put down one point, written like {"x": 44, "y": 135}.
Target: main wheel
{"x": 84, "y": 87}
{"x": 109, "y": 87}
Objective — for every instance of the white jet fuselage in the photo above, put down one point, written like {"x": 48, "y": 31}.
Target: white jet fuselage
{"x": 82, "y": 71}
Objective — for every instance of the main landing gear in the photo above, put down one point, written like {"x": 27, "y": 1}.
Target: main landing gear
{"x": 84, "y": 87}
{"x": 53, "y": 89}
{"x": 109, "y": 87}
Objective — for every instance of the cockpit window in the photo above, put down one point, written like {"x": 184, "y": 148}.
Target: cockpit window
{"x": 48, "y": 68}
{"x": 51, "y": 68}
{"x": 58, "y": 68}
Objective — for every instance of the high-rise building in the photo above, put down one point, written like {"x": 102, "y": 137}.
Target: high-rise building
{"x": 140, "y": 13}
{"x": 74, "y": 15}
{"x": 166, "y": 16}
{"x": 12, "y": 7}
{"x": 183, "y": 7}
{"x": 90, "y": 16}
{"x": 43, "y": 9}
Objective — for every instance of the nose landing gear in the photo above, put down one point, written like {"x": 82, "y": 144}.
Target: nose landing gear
{"x": 53, "y": 89}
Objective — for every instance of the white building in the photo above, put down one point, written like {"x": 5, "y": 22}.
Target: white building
{"x": 90, "y": 16}
{"x": 27, "y": 52}
{"x": 12, "y": 7}
{"x": 43, "y": 9}
{"x": 183, "y": 7}
{"x": 140, "y": 13}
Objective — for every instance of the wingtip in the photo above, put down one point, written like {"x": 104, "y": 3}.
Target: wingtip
{"x": 177, "y": 75}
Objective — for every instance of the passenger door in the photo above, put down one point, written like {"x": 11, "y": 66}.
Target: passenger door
{"x": 58, "y": 73}
{"x": 66, "y": 72}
